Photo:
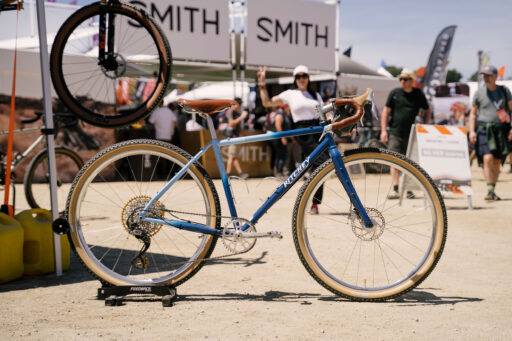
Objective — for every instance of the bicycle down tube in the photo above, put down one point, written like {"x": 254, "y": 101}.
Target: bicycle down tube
{"x": 326, "y": 143}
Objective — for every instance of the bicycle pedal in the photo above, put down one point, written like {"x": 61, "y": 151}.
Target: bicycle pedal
{"x": 275, "y": 234}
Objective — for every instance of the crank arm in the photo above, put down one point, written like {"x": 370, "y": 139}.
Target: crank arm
{"x": 269, "y": 234}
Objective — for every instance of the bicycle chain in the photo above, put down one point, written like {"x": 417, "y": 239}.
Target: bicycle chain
{"x": 189, "y": 221}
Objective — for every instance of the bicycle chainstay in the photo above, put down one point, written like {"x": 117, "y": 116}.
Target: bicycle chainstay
{"x": 171, "y": 212}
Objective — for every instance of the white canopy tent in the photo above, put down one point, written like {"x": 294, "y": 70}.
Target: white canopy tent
{"x": 213, "y": 90}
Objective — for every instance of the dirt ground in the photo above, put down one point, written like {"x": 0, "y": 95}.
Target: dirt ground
{"x": 268, "y": 295}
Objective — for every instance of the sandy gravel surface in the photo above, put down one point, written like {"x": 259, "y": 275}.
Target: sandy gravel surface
{"x": 268, "y": 295}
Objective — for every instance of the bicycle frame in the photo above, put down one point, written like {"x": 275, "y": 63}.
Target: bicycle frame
{"x": 18, "y": 159}
{"x": 326, "y": 143}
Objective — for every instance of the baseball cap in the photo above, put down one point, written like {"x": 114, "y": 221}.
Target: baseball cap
{"x": 301, "y": 69}
{"x": 407, "y": 73}
{"x": 489, "y": 70}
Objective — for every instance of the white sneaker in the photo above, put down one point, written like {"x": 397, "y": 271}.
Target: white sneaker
{"x": 393, "y": 195}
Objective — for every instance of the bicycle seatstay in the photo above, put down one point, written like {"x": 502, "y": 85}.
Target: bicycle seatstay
{"x": 175, "y": 178}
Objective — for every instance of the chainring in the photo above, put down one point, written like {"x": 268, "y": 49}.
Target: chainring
{"x": 233, "y": 237}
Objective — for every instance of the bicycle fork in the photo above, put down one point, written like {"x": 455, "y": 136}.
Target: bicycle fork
{"x": 341, "y": 172}
{"x": 106, "y": 54}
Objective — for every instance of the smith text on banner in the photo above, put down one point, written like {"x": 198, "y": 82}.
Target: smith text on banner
{"x": 197, "y": 30}
{"x": 287, "y": 33}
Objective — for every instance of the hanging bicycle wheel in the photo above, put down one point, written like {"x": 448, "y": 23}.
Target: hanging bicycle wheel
{"x": 378, "y": 263}
{"x": 104, "y": 206}
{"x": 37, "y": 177}
{"x": 124, "y": 85}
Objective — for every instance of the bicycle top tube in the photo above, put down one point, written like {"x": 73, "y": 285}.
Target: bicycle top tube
{"x": 270, "y": 136}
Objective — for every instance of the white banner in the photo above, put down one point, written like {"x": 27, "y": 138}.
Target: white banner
{"x": 197, "y": 30}
{"x": 287, "y": 33}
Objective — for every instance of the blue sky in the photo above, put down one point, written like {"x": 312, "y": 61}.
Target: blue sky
{"x": 403, "y": 32}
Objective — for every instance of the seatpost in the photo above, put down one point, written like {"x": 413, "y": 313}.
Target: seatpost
{"x": 211, "y": 127}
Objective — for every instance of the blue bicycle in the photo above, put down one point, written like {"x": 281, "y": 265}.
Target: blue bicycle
{"x": 143, "y": 212}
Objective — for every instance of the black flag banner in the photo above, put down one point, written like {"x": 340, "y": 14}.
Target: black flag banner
{"x": 348, "y": 52}
{"x": 435, "y": 72}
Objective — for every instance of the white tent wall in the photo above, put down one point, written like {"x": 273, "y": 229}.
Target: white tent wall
{"x": 213, "y": 90}
{"x": 28, "y": 74}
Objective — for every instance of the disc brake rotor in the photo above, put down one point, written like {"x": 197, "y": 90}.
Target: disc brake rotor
{"x": 114, "y": 66}
{"x": 368, "y": 233}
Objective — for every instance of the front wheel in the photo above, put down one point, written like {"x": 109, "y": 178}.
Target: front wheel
{"x": 104, "y": 205}
{"x": 378, "y": 263}
{"x": 37, "y": 177}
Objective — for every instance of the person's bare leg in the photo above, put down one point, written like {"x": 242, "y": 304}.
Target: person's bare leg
{"x": 395, "y": 175}
{"x": 490, "y": 173}
{"x": 229, "y": 165}
{"x": 236, "y": 163}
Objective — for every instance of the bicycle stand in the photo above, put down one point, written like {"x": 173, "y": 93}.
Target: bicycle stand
{"x": 114, "y": 296}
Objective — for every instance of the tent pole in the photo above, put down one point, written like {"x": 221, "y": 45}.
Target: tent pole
{"x": 233, "y": 46}
{"x": 337, "y": 47}
{"x": 48, "y": 119}
{"x": 242, "y": 54}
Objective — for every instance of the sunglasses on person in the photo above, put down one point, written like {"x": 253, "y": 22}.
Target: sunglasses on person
{"x": 405, "y": 79}
{"x": 303, "y": 75}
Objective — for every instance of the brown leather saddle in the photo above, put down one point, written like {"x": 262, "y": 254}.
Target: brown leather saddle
{"x": 207, "y": 106}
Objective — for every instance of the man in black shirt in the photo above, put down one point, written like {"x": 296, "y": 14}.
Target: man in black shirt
{"x": 403, "y": 104}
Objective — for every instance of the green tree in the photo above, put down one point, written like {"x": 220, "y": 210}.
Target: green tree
{"x": 453, "y": 76}
{"x": 474, "y": 77}
{"x": 394, "y": 70}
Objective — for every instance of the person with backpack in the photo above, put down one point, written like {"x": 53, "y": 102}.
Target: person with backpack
{"x": 490, "y": 127}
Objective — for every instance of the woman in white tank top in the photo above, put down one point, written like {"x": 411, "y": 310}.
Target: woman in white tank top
{"x": 302, "y": 101}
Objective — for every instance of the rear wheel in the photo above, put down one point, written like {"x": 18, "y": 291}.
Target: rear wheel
{"x": 107, "y": 197}
{"x": 378, "y": 263}
{"x": 126, "y": 86}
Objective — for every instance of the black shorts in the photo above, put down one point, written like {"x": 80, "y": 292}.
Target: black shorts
{"x": 398, "y": 144}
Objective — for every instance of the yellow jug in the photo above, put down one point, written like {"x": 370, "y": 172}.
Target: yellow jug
{"x": 11, "y": 248}
{"x": 38, "y": 254}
